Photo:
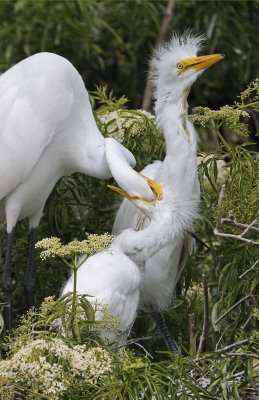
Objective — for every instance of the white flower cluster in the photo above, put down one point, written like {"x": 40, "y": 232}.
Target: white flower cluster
{"x": 53, "y": 247}
{"x": 195, "y": 292}
{"x": 195, "y": 298}
{"x": 93, "y": 365}
{"x": 230, "y": 115}
{"x": 50, "y": 367}
{"x": 118, "y": 122}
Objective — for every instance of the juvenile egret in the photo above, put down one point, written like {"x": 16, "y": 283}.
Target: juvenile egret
{"x": 112, "y": 278}
{"x": 175, "y": 67}
{"x": 47, "y": 131}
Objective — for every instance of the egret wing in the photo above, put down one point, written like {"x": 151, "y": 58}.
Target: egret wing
{"x": 120, "y": 160}
{"x": 128, "y": 216}
{"x": 32, "y": 108}
{"x": 113, "y": 279}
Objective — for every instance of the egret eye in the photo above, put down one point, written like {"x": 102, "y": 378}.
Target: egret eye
{"x": 179, "y": 66}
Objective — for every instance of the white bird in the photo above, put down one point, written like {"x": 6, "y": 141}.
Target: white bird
{"x": 112, "y": 279}
{"x": 174, "y": 68}
{"x": 47, "y": 131}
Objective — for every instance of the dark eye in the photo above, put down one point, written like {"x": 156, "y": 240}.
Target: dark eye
{"x": 179, "y": 66}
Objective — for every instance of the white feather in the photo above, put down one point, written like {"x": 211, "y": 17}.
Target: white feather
{"x": 47, "y": 131}
{"x": 170, "y": 53}
{"x": 162, "y": 247}
{"x": 113, "y": 280}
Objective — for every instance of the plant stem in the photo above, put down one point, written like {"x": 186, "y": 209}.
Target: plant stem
{"x": 73, "y": 308}
{"x": 168, "y": 15}
{"x": 224, "y": 350}
{"x": 248, "y": 296}
{"x": 237, "y": 224}
{"x": 205, "y": 313}
{"x": 74, "y": 290}
{"x": 191, "y": 326}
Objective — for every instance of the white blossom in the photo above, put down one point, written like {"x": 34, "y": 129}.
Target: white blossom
{"x": 51, "y": 366}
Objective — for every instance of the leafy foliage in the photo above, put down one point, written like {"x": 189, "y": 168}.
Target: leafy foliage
{"x": 135, "y": 129}
{"x": 228, "y": 367}
{"x": 113, "y": 43}
{"x": 98, "y": 37}
{"x": 43, "y": 365}
{"x": 240, "y": 203}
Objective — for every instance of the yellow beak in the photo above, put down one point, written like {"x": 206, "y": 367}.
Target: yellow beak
{"x": 156, "y": 189}
{"x": 199, "y": 63}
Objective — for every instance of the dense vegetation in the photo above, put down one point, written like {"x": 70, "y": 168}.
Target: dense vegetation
{"x": 113, "y": 42}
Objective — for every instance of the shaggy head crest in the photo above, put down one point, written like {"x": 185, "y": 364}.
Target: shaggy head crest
{"x": 177, "y": 49}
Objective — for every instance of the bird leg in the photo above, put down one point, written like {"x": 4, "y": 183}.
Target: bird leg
{"x": 8, "y": 283}
{"x": 164, "y": 331}
{"x": 29, "y": 279}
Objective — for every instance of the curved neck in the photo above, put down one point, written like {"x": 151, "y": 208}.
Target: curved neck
{"x": 172, "y": 118}
{"x": 167, "y": 224}
{"x": 180, "y": 138}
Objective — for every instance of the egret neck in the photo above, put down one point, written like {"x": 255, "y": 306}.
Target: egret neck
{"x": 180, "y": 165}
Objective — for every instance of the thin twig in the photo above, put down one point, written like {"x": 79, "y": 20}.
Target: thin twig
{"x": 205, "y": 313}
{"x": 220, "y": 201}
{"x": 224, "y": 349}
{"x": 248, "y": 228}
{"x": 237, "y": 237}
{"x": 232, "y": 308}
{"x": 248, "y": 296}
{"x": 232, "y": 346}
{"x": 145, "y": 350}
{"x": 168, "y": 15}
{"x": 133, "y": 341}
{"x": 217, "y": 229}
{"x": 248, "y": 270}
{"x": 247, "y": 322}
{"x": 191, "y": 328}
{"x": 236, "y": 224}
{"x": 248, "y": 355}
{"x": 223, "y": 334}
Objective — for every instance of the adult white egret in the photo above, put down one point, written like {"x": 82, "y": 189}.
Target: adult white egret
{"x": 47, "y": 131}
{"x": 112, "y": 278}
{"x": 175, "y": 67}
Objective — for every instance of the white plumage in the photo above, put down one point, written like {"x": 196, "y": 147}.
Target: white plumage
{"x": 160, "y": 242}
{"x": 113, "y": 280}
{"x": 111, "y": 277}
{"x": 174, "y": 68}
{"x": 47, "y": 131}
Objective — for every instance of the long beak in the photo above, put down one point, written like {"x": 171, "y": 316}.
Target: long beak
{"x": 156, "y": 189}
{"x": 200, "y": 63}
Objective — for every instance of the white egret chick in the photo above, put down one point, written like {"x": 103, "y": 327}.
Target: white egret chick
{"x": 174, "y": 68}
{"x": 47, "y": 131}
{"x": 113, "y": 279}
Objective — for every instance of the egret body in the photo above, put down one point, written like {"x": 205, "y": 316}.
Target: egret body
{"x": 113, "y": 279}
{"x": 175, "y": 67}
{"x": 47, "y": 131}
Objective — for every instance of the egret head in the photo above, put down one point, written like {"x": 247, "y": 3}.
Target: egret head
{"x": 175, "y": 65}
{"x": 145, "y": 205}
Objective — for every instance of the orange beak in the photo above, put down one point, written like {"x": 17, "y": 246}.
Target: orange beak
{"x": 200, "y": 63}
{"x": 156, "y": 189}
